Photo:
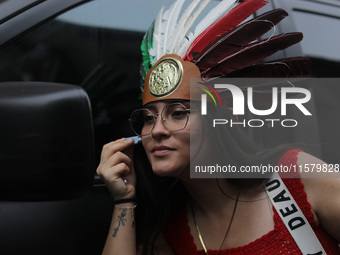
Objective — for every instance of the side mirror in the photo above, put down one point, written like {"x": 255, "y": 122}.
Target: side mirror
{"x": 46, "y": 141}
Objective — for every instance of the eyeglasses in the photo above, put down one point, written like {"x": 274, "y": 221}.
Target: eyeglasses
{"x": 174, "y": 117}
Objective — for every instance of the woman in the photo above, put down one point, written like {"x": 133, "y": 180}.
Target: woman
{"x": 180, "y": 215}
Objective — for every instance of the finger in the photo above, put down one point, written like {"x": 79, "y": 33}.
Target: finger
{"x": 116, "y": 184}
{"x": 126, "y": 171}
{"x": 129, "y": 150}
{"x": 120, "y": 171}
{"x": 119, "y": 165}
{"x": 118, "y": 157}
{"x": 112, "y": 147}
{"x": 115, "y": 173}
{"x": 115, "y": 159}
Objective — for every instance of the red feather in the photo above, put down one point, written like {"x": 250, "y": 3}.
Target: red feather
{"x": 232, "y": 41}
{"x": 251, "y": 54}
{"x": 227, "y": 22}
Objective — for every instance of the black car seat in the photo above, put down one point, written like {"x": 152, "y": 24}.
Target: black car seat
{"x": 46, "y": 172}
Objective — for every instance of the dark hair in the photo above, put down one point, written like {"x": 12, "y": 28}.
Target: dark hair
{"x": 158, "y": 196}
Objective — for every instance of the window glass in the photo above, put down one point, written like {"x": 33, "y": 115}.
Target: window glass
{"x": 133, "y": 15}
{"x": 321, "y": 40}
{"x": 9, "y": 8}
{"x": 320, "y": 26}
{"x": 104, "y": 61}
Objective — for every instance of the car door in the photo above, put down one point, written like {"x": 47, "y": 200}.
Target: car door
{"x": 60, "y": 43}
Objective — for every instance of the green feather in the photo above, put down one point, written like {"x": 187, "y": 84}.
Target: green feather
{"x": 146, "y": 58}
{"x": 150, "y": 42}
{"x": 146, "y": 45}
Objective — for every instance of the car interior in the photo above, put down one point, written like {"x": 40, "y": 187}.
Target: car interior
{"x": 47, "y": 167}
{"x": 66, "y": 89}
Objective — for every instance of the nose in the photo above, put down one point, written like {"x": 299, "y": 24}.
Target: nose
{"x": 159, "y": 128}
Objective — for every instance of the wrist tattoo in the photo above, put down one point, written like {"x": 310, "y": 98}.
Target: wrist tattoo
{"x": 121, "y": 219}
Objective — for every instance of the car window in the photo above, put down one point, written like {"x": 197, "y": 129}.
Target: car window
{"x": 11, "y": 8}
{"x": 319, "y": 21}
{"x": 321, "y": 42}
{"x": 133, "y": 15}
{"x": 97, "y": 46}
{"x": 104, "y": 60}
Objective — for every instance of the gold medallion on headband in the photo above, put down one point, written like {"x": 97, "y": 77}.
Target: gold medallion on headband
{"x": 165, "y": 77}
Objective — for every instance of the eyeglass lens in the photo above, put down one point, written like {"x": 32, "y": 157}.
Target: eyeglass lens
{"x": 174, "y": 117}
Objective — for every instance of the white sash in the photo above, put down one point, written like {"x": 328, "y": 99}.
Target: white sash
{"x": 292, "y": 217}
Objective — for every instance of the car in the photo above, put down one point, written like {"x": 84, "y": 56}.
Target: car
{"x": 51, "y": 200}
{"x": 320, "y": 22}
{"x": 69, "y": 79}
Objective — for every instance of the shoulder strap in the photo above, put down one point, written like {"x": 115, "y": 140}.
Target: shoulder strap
{"x": 292, "y": 217}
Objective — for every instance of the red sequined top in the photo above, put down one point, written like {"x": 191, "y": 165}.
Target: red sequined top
{"x": 277, "y": 241}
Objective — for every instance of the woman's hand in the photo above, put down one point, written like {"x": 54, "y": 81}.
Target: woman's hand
{"x": 116, "y": 165}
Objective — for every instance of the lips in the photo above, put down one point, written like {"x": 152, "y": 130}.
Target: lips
{"x": 161, "y": 150}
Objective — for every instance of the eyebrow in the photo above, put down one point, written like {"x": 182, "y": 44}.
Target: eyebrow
{"x": 152, "y": 107}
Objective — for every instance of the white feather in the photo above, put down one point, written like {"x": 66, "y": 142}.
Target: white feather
{"x": 170, "y": 20}
{"x": 157, "y": 37}
{"x": 212, "y": 16}
{"x": 180, "y": 26}
{"x": 172, "y": 24}
{"x": 172, "y": 35}
{"x": 186, "y": 40}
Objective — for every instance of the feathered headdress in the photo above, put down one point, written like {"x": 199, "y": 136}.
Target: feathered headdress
{"x": 224, "y": 43}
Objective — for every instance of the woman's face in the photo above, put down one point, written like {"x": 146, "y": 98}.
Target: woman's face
{"x": 169, "y": 151}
